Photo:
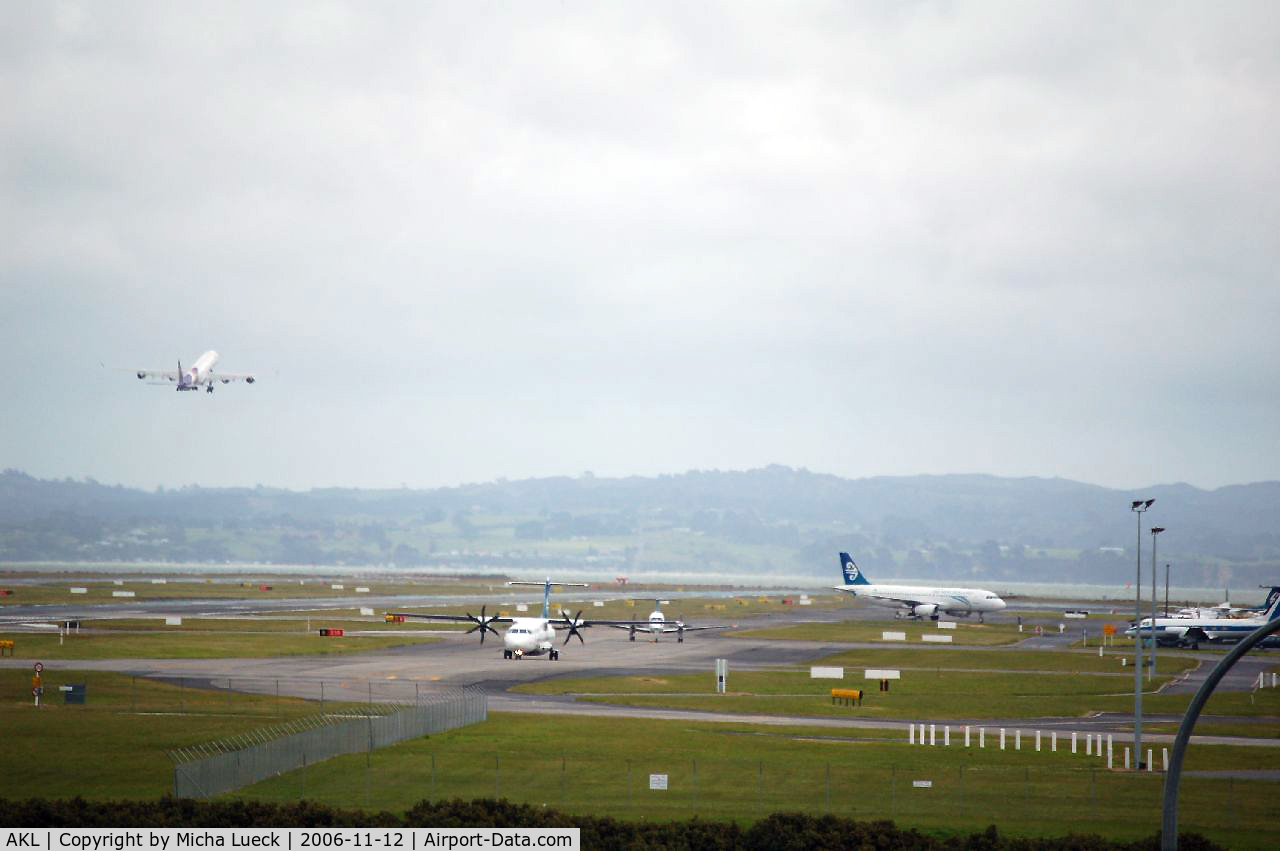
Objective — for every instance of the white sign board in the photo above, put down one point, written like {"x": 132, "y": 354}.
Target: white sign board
{"x": 362, "y": 590}
{"x": 599, "y": 604}
{"x": 658, "y": 781}
{"x": 945, "y": 639}
{"x": 522, "y": 607}
{"x": 172, "y": 621}
{"x": 159, "y": 581}
{"x": 883, "y": 674}
{"x": 805, "y": 601}
{"x": 366, "y": 611}
{"x": 79, "y": 590}
{"x": 123, "y": 594}
{"x": 922, "y": 784}
{"x": 946, "y": 624}
{"x": 336, "y": 587}
{"x": 820, "y": 673}
{"x": 119, "y": 581}
{"x": 893, "y": 636}
{"x": 1078, "y": 615}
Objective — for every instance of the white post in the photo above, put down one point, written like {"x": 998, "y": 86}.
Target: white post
{"x": 1165, "y": 759}
{"x": 1053, "y": 741}
{"x": 1088, "y": 744}
{"x": 982, "y": 737}
{"x": 1037, "y": 741}
{"x": 946, "y": 735}
{"x": 911, "y": 734}
{"x": 1099, "y": 651}
{"x": 1108, "y": 750}
{"x": 1126, "y": 757}
{"x": 966, "y": 735}
{"x": 933, "y": 734}
{"x": 1073, "y": 741}
{"x": 1017, "y": 740}
{"x": 1099, "y": 753}
{"x": 1002, "y": 738}
{"x": 1151, "y": 766}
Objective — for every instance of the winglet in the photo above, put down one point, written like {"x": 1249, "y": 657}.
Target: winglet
{"x": 852, "y": 575}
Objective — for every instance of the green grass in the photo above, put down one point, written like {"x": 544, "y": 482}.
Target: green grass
{"x": 196, "y": 645}
{"x": 737, "y": 772}
{"x": 861, "y": 631}
{"x": 935, "y": 694}
{"x": 114, "y": 746}
{"x": 302, "y": 624}
{"x": 959, "y": 659}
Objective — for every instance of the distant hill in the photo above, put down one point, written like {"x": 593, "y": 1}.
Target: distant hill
{"x": 772, "y": 519}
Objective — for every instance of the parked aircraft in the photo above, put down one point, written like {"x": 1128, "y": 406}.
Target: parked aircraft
{"x": 200, "y": 374}
{"x": 1189, "y": 632}
{"x": 918, "y": 602}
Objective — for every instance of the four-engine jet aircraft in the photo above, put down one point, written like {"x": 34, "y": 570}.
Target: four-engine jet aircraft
{"x": 1189, "y": 632}
{"x": 200, "y": 374}
{"x": 918, "y": 602}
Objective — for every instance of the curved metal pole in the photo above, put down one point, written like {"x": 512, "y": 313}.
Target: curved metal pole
{"x": 1169, "y": 823}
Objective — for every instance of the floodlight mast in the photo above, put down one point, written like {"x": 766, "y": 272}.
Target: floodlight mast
{"x": 1138, "y": 506}
{"x": 1155, "y": 530}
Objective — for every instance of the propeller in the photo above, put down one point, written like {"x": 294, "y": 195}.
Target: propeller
{"x": 573, "y": 624}
{"x": 482, "y": 624}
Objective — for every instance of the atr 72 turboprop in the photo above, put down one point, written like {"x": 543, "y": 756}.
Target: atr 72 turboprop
{"x": 200, "y": 374}
{"x": 917, "y": 602}
{"x": 526, "y": 636}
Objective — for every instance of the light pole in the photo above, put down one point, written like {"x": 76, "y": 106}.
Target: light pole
{"x": 1155, "y": 530}
{"x": 1138, "y": 506}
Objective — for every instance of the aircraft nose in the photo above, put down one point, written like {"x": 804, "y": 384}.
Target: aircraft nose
{"x": 1000, "y": 603}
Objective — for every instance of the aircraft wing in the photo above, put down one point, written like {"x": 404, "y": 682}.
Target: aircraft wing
{"x": 646, "y": 626}
{"x": 674, "y": 628}
{"x": 227, "y": 377}
{"x": 453, "y": 618}
{"x": 157, "y": 374}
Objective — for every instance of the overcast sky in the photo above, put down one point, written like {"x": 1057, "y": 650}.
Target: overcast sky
{"x": 471, "y": 240}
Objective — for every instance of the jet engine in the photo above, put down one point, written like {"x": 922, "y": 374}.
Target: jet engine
{"x": 142, "y": 375}
{"x": 925, "y": 610}
{"x": 249, "y": 380}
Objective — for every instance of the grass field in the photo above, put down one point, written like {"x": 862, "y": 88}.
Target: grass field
{"x": 115, "y": 746}
{"x": 861, "y": 631}
{"x": 740, "y": 773}
{"x": 930, "y": 695}
{"x": 192, "y": 644}
{"x": 928, "y": 658}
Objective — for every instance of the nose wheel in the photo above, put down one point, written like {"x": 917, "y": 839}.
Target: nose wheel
{"x": 554, "y": 655}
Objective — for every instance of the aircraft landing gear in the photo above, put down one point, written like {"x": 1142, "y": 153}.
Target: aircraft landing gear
{"x": 506, "y": 654}
{"x": 555, "y": 655}
{"x": 209, "y": 389}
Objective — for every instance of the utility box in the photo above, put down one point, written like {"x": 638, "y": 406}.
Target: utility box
{"x": 722, "y": 675}
{"x": 73, "y": 694}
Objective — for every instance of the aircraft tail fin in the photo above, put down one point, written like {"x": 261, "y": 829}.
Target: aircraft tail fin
{"x": 852, "y": 575}
{"x": 546, "y": 599}
{"x": 1272, "y": 610}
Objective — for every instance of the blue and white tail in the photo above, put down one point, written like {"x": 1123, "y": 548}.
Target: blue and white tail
{"x": 1273, "y": 605}
{"x": 852, "y": 575}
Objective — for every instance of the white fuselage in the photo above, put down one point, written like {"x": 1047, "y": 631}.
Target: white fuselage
{"x": 951, "y": 601}
{"x": 198, "y": 374}
{"x": 529, "y": 637}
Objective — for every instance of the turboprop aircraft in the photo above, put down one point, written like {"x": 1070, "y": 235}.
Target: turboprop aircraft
{"x": 918, "y": 602}
{"x": 657, "y": 625}
{"x": 200, "y": 374}
{"x": 527, "y": 636}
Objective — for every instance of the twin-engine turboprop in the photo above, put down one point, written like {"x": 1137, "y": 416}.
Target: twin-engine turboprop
{"x": 916, "y": 602}
{"x": 526, "y": 636}
{"x": 200, "y": 374}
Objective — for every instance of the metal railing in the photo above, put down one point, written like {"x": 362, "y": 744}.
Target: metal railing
{"x": 221, "y": 766}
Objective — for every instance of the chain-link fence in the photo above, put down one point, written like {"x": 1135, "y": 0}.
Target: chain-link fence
{"x": 227, "y": 764}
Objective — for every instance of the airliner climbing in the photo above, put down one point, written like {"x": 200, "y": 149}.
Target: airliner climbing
{"x": 918, "y": 602}
{"x": 199, "y": 374}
